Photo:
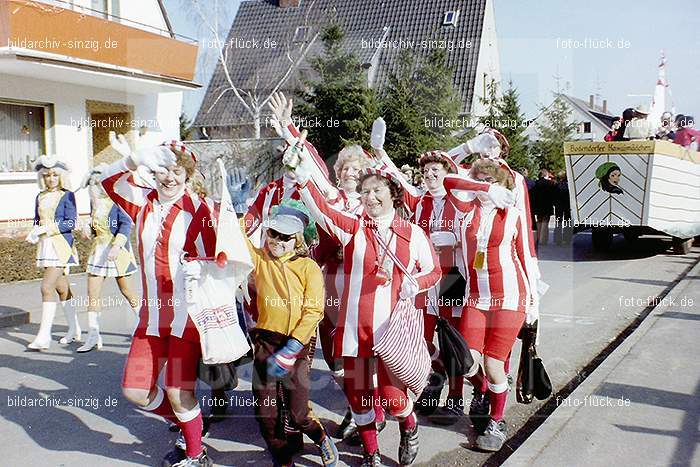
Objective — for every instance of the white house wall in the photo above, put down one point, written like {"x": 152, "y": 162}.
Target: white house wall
{"x": 488, "y": 62}
{"x": 69, "y": 107}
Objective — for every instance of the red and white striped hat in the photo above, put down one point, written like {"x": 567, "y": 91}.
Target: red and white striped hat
{"x": 380, "y": 172}
{"x": 180, "y": 146}
{"x": 443, "y": 155}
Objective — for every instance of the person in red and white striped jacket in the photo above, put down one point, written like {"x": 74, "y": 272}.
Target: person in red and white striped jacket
{"x": 443, "y": 230}
{"x": 372, "y": 287}
{"x": 499, "y": 290}
{"x": 170, "y": 220}
{"x": 328, "y": 253}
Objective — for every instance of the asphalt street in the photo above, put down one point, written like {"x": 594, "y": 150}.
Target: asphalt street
{"x": 64, "y": 408}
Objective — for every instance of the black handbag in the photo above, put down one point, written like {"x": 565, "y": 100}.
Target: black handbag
{"x": 454, "y": 351}
{"x": 452, "y": 287}
{"x": 533, "y": 380}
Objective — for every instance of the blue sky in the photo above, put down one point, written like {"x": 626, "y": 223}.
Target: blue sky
{"x": 534, "y": 48}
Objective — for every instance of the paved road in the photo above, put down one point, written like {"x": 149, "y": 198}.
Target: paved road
{"x": 592, "y": 298}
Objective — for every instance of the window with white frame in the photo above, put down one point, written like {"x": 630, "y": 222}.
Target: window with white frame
{"x": 450, "y": 18}
{"x": 300, "y": 34}
{"x": 23, "y": 135}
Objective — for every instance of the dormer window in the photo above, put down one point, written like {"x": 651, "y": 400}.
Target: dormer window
{"x": 300, "y": 34}
{"x": 450, "y": 18}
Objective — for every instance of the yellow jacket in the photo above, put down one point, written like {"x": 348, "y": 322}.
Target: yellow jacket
{"x": 290, "y": 292}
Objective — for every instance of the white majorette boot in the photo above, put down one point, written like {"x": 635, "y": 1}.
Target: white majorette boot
{"x": 93, "y": 337}
{"x": 73, "y": 333}
{"x": 42, "y": 341}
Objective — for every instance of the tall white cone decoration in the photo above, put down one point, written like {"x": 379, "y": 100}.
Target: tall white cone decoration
{"x": 231, "y": 247}
{"x": 658, "y": 103}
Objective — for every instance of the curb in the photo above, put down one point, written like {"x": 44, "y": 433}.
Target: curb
{"x": 539, "y": 440}
{"x": 10, "y": 316}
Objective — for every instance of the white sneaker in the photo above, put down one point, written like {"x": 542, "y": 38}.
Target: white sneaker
{"x": 94, "y": 339}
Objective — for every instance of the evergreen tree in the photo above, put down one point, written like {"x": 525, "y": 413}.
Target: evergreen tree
{"x": 420, "y": 106}
{"x": 339, "y": 108}
{"x": 549, "y": 150}
{"x": 512, "y": 119}
{"x": 185, "y": 127}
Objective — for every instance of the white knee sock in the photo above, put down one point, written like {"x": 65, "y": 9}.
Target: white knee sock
{"x": 72, "y": 318}
{"x": 48, "y": 311}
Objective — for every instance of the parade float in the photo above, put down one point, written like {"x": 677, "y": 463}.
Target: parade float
{"x": 634, "y": 188}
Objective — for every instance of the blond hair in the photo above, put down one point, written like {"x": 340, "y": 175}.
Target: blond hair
{"x": 351, "y": 153}
{"x": 195, "y": 179}
{"x": 489, "y": 167}
{"x": 63, "y": 178}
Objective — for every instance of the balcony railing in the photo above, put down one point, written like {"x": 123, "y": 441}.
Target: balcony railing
{"x": 92, "y": 37}
{"x": 127, "y": 22}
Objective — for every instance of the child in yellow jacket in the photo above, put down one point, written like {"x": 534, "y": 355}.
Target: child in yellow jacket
{"x": 290, "y": 303}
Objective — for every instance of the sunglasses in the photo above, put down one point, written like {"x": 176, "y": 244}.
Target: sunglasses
{"x": 279, "y": 236}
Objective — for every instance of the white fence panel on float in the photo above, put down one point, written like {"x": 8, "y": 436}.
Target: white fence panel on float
{"x": 634, "y": 183}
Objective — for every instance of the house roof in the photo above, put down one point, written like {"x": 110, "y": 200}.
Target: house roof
{"x": 410, "y": 22}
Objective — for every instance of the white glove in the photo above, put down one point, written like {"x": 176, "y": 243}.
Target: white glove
{"x": 500, "y": 196}
{"x": 409, "y": 288}
{"x": 281, "y": 130}
{"x": 378, "y": 133}
{"x": 484, "y": 143}
{"x": 87, "y": 228}
{"x": 532, "y": 312}
{"x": 443, "y": 238}
{"x": 119, "y": 144}
{"x": 281, "y": 108}
{"x": 192, "y": 269}
{"x": 36, "y": 232}
{"x": 155, "y": 158}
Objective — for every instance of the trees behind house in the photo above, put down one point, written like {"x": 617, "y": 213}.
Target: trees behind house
{"x": 337, "y": 108}
{"x": 553, "y": 132}
{"x": 420, "y": 106}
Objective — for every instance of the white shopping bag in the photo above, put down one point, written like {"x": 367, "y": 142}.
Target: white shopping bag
{"x": 213, "y": 311}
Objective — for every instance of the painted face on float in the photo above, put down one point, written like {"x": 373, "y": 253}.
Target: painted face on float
{"x": 279, "y": 244}
{"x": 52, "y": 179}
{"x": 375, "y": 197}
{"x": 349, "y": 176}
{"x": 433, "y": 175}
{"x": 614, "y": 177}
{"x": 171, "y": 182}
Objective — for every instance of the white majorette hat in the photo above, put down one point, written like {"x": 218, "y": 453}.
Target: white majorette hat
{"x": 380, "y": 172}
{"x": 98, "y": 169}
{"x": 46, "y": 161}
{"x": 642, "y": 109}
{"x": 180, "y": 146}
{"x": 442, "y": 155}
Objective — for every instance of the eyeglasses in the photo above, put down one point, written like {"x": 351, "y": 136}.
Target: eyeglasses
{"x": 279, "y": 236}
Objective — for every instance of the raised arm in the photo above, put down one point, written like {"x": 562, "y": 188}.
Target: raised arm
{"x": 339, "y": 225}
{"x": 501, "y": 196}
{"x": 118, "y": 178}
{"x": 412, "y": 194}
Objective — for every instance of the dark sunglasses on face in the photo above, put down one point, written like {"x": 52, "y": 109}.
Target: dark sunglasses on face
{"x": 279, "y": 236}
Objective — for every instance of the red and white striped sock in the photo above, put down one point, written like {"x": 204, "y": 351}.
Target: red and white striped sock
{"x": 160, "y": 405}
{"x": 498, "y": 395}
{"x": 367, "y": 429}
{"x": 379, "y": 416}
{"x": 190, "y": 423}
{"x": 408, "y": 423}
